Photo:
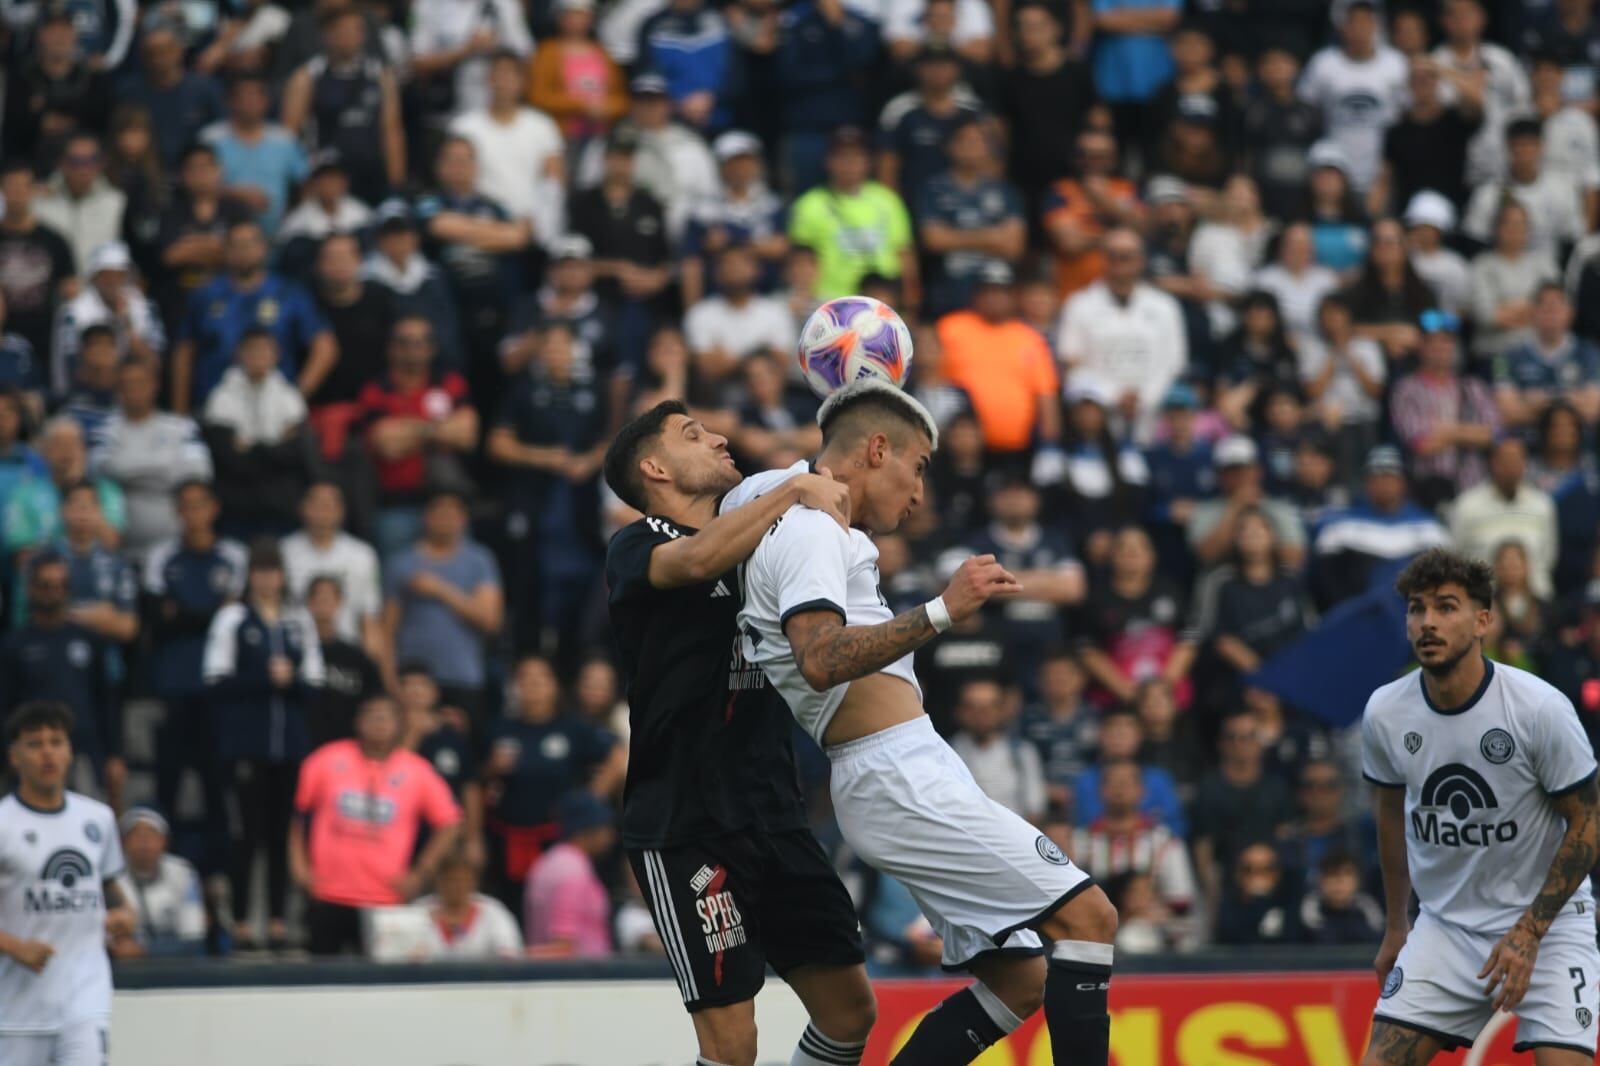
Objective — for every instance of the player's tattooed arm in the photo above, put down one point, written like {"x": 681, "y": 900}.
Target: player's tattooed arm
{"x": 120, "y": 920}
{"x": 830, "y": 653}
{"x": 1395, "y": 1045}
{"x": 1575, "y": 858}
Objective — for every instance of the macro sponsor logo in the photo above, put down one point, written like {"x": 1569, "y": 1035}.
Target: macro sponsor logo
{"x": 1459, "y": 791}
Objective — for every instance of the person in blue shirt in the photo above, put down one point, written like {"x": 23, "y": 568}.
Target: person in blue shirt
{"x": 688, "y": 44}
{"x": 20, "y": 366}
{"x": 1121, "y": 736}
{"x": 746, "y": 212}
{"x": 1182, "y": 473}
{"x": 261, "y": 161}
{"x": 102, "y": 594}
{"x": 1132, "y": 60}
{"x": 825, "y": 52}
{"x": 243, "y": 298}
{"x": 1352, "y": 543}
{"x": 915, "y": 128}
{"x": 967, "y": 219}
{"x": 189, "y": 579}
{"x": 181, "y": 102}
{"x": 1554, "y": 363}
{"x": 18, "y": 460}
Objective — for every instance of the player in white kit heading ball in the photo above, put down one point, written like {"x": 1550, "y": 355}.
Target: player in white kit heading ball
{"x": 1487, "y": 805}
{"x": 59, "y": 856}
{"x": 992, "y": 885}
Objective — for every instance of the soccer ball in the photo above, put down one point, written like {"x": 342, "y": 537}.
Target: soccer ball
{"x": 850, "y": 338}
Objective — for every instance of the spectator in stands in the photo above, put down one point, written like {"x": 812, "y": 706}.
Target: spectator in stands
{"x": 1339, "y": 912}
{"x": 102, "y": 595}
{"x": 1045, "y": 143}
{"x": 1552, "y": 200}
{"x": 1361, "y": 67}
{"x": 326, "y": 209}
{"x": 361, "y": 317}
{"x": 1122, "y": 740}
{"x": 1444, "y": 420}
{"x": 1505, "y": 280}
{"x": 1006, "y": 767}
{"x": 1079, "y": 212}
{"x": 1132, "y": 61}
{"x": 1124, "y": 331}
{"x": 347, "y": 102}
{"x": 36, "y": 263}
{"x": 22, "y": 370}
{"x": 1325, "y": 827}
{"x": 192, "y": 232}
{"x": 451, "y": 44}
{"x": 366, "y": 800}
{"x": 744, "y": 211}
{"x": 412, "y": 283}
{"x": 248, "y": 297}
{"x": 162, "y": 889}
{"x": 33, "y": 513}
{"x": 1239, "y": 804}
{"x": 1506, "y": 507}
{"x": 187, "y": 580}
{"x": 465, "y": 924}
{"x": 688, "y": 44}
{"x": 573, "y": 80}
{"x": 322, "y": 547}
{"x": 91, "y": 393}
{"x": 1553, "y": 363}
{"x": 255, "y": 423}
{"x": 18, "y": 460}
{"x": 1383, "y": 527}
{"x": 52, "y": 86}
{"x": 855, "y": 226}
{"x": 1429, "y": 218}
{"x": 1343, "y": 376}
{"x": 1061, "y": 726}
{"x": 1006, "y": 369}
{"x": 916, "y": 128}
{"x": 1262, "y": 905}
{"x": 1212, "y": 526}
{"x": 1124, "y": 840}
{"x": 1335, "y": 212}
{"x": 1563, "y": 468}
{"x": 110, "y": 299}
{"x": 737, "y": 322}
{"x": 1470, "y": 62}
{"x": 350, "y": 677}
{"x": 181, "y": 102}
{"x": 519, "y": 150}
{"x": 1389, "y": 295}
{"x": 1426, "y": 147}
{"x": 442, "y": 600}
{"x": 149, "y": 453}
{"x": 1278, "y": 129}
{"x": 1571, "y": 139}
{"x": 1298, "y": 282}
{"x": 967, "y": 219}
{"x": 566, "y": 909}
{"x": 440, "y": 735}
{"x": 54, "y": 658}
{"x": 1131, "y": 627}
{"x": 672, "y": 163}
{"x": 261, "y": 660}
{"x": 777, "y": 424}
{"x": 261, "y": 161}
{"x": 824, "y": 52}
{"x": 78, "y": 202}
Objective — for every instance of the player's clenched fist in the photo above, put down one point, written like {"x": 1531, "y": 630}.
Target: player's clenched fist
{"x": 33, "y": 954}
{"x": 820, "y": 492}
{"x": 1388, "y": 953}
{"x": 977, "y": 579}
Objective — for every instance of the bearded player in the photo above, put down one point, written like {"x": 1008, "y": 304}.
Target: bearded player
{"x": 1487, "y": 806}
{"x": 990, "y": 883}
{"x": 713, "y": 820}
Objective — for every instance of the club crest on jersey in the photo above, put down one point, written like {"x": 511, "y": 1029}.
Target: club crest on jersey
{"x": 1049, "y": 851}
{"x": 1497, "y": 746}
{"x": 31, "y": 837}
{"x": 1413, "y": 741}
{"x": 92, "y": 831}
{"x": 1392, "y": 983}
{"x": 1585, "y": 1017}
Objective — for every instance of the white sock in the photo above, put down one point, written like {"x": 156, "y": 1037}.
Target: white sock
{"x": 703, "y": 1061}
{"x": 818, "y": 1050}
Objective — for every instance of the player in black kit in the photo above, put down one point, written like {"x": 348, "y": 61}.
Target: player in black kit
{"x": 712, "y": 820}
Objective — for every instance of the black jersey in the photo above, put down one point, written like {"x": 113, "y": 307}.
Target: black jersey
{"x": 711, "y": 750}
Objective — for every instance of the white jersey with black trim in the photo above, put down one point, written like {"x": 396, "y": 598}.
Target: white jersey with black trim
{"x": 52, "y": 867}
{"x": 1481, "y": 830}
{"x": 806, "y": 563}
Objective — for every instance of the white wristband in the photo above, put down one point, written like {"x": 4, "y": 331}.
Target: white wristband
{"x": 938, "y": 614}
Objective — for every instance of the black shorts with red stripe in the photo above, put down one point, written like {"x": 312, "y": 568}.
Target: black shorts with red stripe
{"x": 728, "y": 907}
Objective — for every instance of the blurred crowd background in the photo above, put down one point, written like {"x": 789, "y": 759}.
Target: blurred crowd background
{"x": 316, "y": 317}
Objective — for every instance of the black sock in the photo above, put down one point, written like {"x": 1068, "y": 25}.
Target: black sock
{"x": 959, "y": 1029}
{"x": 1075, "y": 1002}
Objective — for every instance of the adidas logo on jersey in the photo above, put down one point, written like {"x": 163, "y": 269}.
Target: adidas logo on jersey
{"x": 720, "y": 591}
{"x": 1460, "y": 790}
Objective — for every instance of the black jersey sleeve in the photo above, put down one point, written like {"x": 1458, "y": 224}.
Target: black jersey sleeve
{"x": 628, "y": 557}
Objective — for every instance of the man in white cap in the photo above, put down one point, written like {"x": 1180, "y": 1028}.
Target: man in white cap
{"x": 1359, "y": 84}
{"x": 110, "y": 299}
{"x": 162, "y": 890}
{"x": 1214, "y": 522}
{"x": 1429, "y": 218}
{"x": 671, "y": 162}
{"x": 743, "y": 211}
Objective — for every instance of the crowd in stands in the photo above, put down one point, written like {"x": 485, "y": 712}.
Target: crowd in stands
{"x": 316, "y": 317}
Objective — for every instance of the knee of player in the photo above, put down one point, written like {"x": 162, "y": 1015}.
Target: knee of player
{"x": 1089, "y": 916}
{"x": 851, "y": 1020}
{"x": 1019, "y": 984}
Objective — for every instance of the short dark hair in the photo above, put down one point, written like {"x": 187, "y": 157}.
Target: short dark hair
{"x": 80, "y": 486}
{"x": 1438, "y": 567}
{"x": 194, "y": 483}
{"x": 265, "y": 554}
{"x": 194, "y": 148}
{"x": 96, "y": 331}
{"x": 1523, "y": 127}
{"x": 255, "y": 333}
{"x": 35, "y": 715}
{"x": 413, "y": 667}
{"x": 17, "y": 165}
{"x": 1549, "y": 286}
{"x": 1338, "y": 861}
{"x": 321, "y": 580}
{"x": 853, "y": 416}
{"x": 631, "y": 444}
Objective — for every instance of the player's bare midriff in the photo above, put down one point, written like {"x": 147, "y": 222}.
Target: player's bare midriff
{"x": 870, "y": 706}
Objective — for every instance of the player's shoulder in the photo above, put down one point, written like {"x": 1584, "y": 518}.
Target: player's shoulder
{"x": 649, "y": 530}
{"x": 760, "y": 484}
{"x": 1524, "y": 692}
{"x": 1401, "y": 696}
{"x": 89, "y": 809}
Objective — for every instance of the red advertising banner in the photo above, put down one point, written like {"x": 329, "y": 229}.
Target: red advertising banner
{"x": 1292, "y": 1019}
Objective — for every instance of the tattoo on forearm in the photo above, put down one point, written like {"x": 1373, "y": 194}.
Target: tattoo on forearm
{"x": 841, "y": 653}
{"x": 1398, "y": 1046}
{"x": 1575, "y": 858}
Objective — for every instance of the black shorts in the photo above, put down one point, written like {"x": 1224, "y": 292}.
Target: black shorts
{"x": 727, "y": 907}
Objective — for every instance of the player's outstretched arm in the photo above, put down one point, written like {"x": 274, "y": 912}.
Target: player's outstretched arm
{"x": 1510, "y": 964}
{"x": 727, "y": 540}
{"x": 830, "y": 653}
{"x": 1390, "y": 810}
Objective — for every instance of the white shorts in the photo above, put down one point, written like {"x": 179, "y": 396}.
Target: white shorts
{"x": 1435, "y": 986}
{"x": 907, "y": 804}
{"x": 80, "y": 1044}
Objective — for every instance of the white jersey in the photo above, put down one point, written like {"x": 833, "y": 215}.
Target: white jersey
{"x": 52, "y": 866}
{"x": 1359, "y": 100}
{"x": 806, "y": 563}
{"x": 1481, "y": 831}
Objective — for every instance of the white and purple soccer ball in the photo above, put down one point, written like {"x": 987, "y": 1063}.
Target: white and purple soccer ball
{"x": 850, "y": 338}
